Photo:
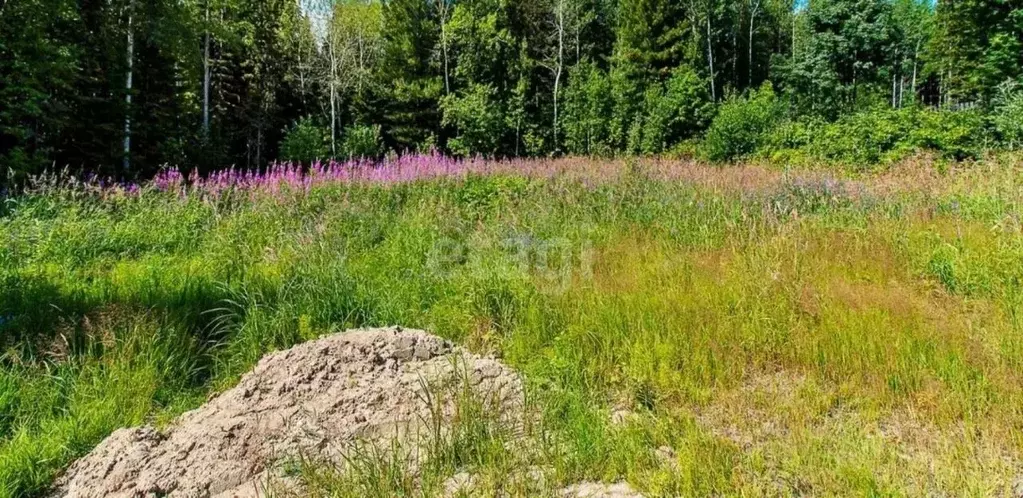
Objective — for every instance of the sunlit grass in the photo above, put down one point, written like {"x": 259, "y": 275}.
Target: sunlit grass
{"x": 781, "y": 332}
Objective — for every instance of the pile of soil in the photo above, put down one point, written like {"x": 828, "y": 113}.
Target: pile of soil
{"x": 312, "y": 400}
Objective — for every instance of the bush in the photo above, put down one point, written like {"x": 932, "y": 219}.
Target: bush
{"x": 305, "y": 141}
{"x": 1008, "y": 114}
{"x": 790, "y": 135}
{"x": 476, "y": 114}
{"x": 678, "y": 110}
{"x": 862, "y": 138}
{"x": 953, "y": 134}
{"x": 743, "y": 124}
{"x": 362, "y": 142}
{"x": 789, "y": 142}
{"x": 753, "y": 125}
{"x": 884, "y": 135}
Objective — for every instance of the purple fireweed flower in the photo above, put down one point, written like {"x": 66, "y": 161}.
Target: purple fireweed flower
{"x": 281, "y": 177}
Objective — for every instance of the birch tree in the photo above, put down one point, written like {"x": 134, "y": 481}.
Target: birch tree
{"x": 915, "y": 20}
{"x": 754, "y": 10}
{"x": 334, "y": 59}
{"x": 710, "y": 48}
{"x": 302, "y": 45}
{"x": 443, "y": 13}
{"x": 558, "y": 61}
{"x": 701, "y": 14}
{"x": 563, "y": 18}
{"x": 352, "y": 46}
{"x": 129, "y": 58}
{"x": 206, "y": 73}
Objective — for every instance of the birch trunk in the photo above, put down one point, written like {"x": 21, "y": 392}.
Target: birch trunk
{"x": 752, "y": 18}
{"x": 916, "y": 59}
{"x": 259, "y": 144}
{"x": 895, "y": 93}
{"x": 333, "y": 94}
{"x": 578, "y": 53}
{"x": 793, "y": 38}
{"x": 895, "y": 70}
{"x": 206, "y": 78}
{"x": 560, "y": 65}
{"x": 361, "y": 42}
{"x": 130, "y": 60}
{"x": 559, "y": 60}
{"x": 902, "y": 92}
{"x": 444, "y": 42}
{"x": 710, "y": 57}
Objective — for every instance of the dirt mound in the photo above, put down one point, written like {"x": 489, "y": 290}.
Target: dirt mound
{"x": 313, "y": 400}
{"x": 600, "y": 490}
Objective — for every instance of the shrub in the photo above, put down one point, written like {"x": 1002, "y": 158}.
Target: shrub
{"x": 1008, "y": 114}
{"x": 678, "y": 110}
{"x": 953, "y": 134}
{"x": 742, "y": 125}
{"x": 476, "y": 114}
{"x": 305, "y": 141}
{"x": 601, "y": 110}
{"x": 862, "y": 138}
{"x": 649, "y": 134}
{"x": 790, "y": 135}
{"x": 882, "y": 135}
{"x": 362, "y": 142}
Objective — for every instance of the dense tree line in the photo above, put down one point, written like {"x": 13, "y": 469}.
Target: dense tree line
{"x": 124, "y": 86}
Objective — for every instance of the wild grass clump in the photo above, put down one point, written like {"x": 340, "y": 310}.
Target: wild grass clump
{"x": 776, "y": 332}
{"x": 478, "y": 441}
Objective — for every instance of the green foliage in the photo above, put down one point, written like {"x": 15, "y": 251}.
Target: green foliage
{"x": 470, "y": 76}
{"x": 791, "y": 135}
{"x": 743, "y": 124}
{"x": 478, "y": 119}
{"x": 1007, "y": 117}
{"x": 305, "y": 141}
{"x": 482, "y": 46}
{"x": 976, "y": 46}
{"x": 954, "y": 135}
{"x": 863, "y": 138}
{"x": 487, "y": 105}
{"x": 410, "y": 83}
{"x": 627, "y": 106}
{"x": 842, "y": 48}
{"x": 679, "y": 110}
{"x": 38, "y": 58}
{"x": 588, "y": 111}
{"x": 651, "y": 34}
{"x": 871, "y": 137}
{"x": 362, "y": 142}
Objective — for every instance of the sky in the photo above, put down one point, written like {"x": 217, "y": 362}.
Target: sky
{"x": 318, "y": 12}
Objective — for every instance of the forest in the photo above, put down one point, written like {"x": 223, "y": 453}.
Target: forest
{"x": 123, "y": 88}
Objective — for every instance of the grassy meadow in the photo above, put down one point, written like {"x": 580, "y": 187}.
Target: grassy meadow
{"x": 691, "y": 329}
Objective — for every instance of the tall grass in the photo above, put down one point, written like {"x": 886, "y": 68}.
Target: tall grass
{"x": 782, "y": 332}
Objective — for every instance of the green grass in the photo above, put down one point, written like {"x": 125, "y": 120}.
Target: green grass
{"x": 783, "y": 334}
